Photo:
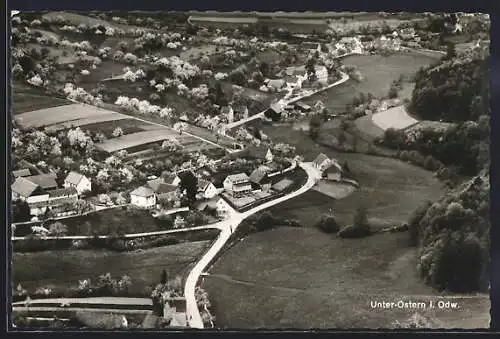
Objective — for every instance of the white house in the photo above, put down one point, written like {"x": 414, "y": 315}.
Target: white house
{"x": 322, "y": 162}
{"x": 238, "y": 184}
{"x": 321, "y": 74}
{"x": 143, "y": 197}
{"x": 78, "y": 181}
{"x": 223, "y": 207}
{"x": 206, "y": 189}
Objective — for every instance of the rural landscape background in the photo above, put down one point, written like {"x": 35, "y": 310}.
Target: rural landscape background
{"x": 249, "y": 170}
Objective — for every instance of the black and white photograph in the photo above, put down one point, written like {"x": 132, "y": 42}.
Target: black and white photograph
{"x": 249, "y": 170}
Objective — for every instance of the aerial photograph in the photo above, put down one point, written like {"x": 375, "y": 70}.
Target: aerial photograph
{"x": 249, "y": 170}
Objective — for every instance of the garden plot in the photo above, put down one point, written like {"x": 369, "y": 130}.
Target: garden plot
{"x": 135, "y": 139}
{"x": 61, "y": 114}
{"x": 27, "y": 99}
{"x": 197, "y": 52}
{"x": 395, "y": 117}
{"x": 127, "y": 125}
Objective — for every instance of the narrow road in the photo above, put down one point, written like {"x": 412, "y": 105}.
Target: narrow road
{"x": 227, "y": 227}
{"x": 90, "y": 301}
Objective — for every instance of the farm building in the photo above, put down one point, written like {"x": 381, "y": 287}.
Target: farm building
{"x": 54, "y": 200}
{"x": 275, "y": 84}
{"x": 45, "y": 181}
{"x": 302, "y": 106}
{"x": 163, "y": 190}
{"x": 260, "y": 178}
{"x": 321, "y": 162}
{"x": 78, "y": 181}
{"x": 25, "y": 172}
{"x": 175, "y": 309}
{"x": 228, "y": 112}
{"x": 23, "y": 188}
{"x": 259, "y": 152}
{"x": 206, "y": 189}
{"x": 143, "y": 197}
{"x": 171, "y": 179}
{"x": 334, "y": 173}
{"x": 274, "y": 112}
{"x": 208, "y": 204}
{"x": 238, "y": 185}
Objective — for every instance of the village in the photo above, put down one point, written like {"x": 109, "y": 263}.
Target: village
{"x": 165, "y": 160}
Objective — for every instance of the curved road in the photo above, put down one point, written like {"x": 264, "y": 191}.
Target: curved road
{"x": 227, "y": 227}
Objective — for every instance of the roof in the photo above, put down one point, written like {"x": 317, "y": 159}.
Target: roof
{"x": 212, "y": 203}
{"x": 62, "y": 192}
{"x": 258, "y": 152}
{"x": 155, "y": 183}
{"x": 45, "y": 181}
{"x": 74, "y": 178}
{"x": 259, "y": 175}
{"x": 226, "y": 109}
{"x": 142, "y": 191}
{"x": 203, "y": 184}
{"x": 275, "y": 107}
{"x": 240, "y": 177}
{"x": 302, "y": 105}
{"x": 276, "y": 83}
{"x": 333, "y": 168}
{"x": 24, "y": 187}
{"x": 169, "y": 179}
{"x": 320, "y": 159}
{"x": 179, "y": 319}
{"x": 21, "y": 173}
{"x": 165, "y": 188}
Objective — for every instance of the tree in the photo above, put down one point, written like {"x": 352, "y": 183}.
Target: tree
{"x": 451, "y": 51}
{"x": 189, "y": 184}
{"x": 360, "y": 219}
{"x": 21, "y": 211}
{"x": 164, "y": 277}
{"x": 58, "y": 229}
{"x": 314, "y": 126}
{"x": 328, "y": 224}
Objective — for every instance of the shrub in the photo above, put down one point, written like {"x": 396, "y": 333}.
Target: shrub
{"x": 431, "y": 163}
{"x": 328, "y": 224}
{"x": 360, "y": 227}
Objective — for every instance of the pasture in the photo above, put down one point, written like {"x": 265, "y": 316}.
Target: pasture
{"x": 395, "y": 117}
{"x": 63, "y": 269}
{"x": 378, "y": 72}
{"x": 62, "y": 114}
{"x": 302, "y": 278}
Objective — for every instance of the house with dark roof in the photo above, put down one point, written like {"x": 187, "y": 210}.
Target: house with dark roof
{"x": 206, "y": 189}
{"x": 237, "y": 185}
{"x": 45, "y": 181}
{"x": 79, "y": 181}
{"x": 171, "y": 179}
{"x": 143, "y": 197}
{"x": 274, "y": 112}
{"x": 22, "y": 188}
{"x": 164, "y": 191}
{"x": 58, "y": 201}
{"x": 321, "y": 162}
{"x": 24, "y": 172}
{"x": 333, "y": 172}
{"x": 259, "y": 152}
{"x": 260, "y": 178}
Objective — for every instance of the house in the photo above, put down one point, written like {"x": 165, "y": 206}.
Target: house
{"x": 143, "y": 197}
{"x": 321, "y": 73}
{"x": 321, "y": 162}
{"x": 163, "y": 191}
{"x": 222, "y": 207}
{"x": 175, "y": 311}
{"x": 333, "y": 172}
{"x": 45, "y": 181}
{"x": 78, "y": 181}
{"x": 25, "y": 172}
{"x": 274, "y": 112}
{"x": 228, "y": 112}
{"x": 171, "y": 179}
{"x": 206, "y": 189}
{"x": 276, "y": 84}
{"x": 259, "y": 177}
{"x": 238, "y": 185}
{"x": 208, "y": 204}
{"x": 55, "y": 200}
{"x": 302, "y": 106}
{"x": 260, "y": 152}
{"x": 23, "y": 188}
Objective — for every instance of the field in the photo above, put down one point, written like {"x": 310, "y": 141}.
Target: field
{"x": 134, "y": 140}
{"x": 301, "y": 278}
{"x": 390, "y": 189}
{"x": 127, "y": 125}
{"x": 66, "y": 113}
{"x": 76, "y": 19}
{"x": 26, "y": 99}
{"x": 63, "y": 269}
{"x": 395, "y": 117}
{"x": 428, "y": 124}
{"x": 378, "y": 72}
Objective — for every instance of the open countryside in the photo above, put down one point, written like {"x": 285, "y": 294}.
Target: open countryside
{"x": 255, "y": 170}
